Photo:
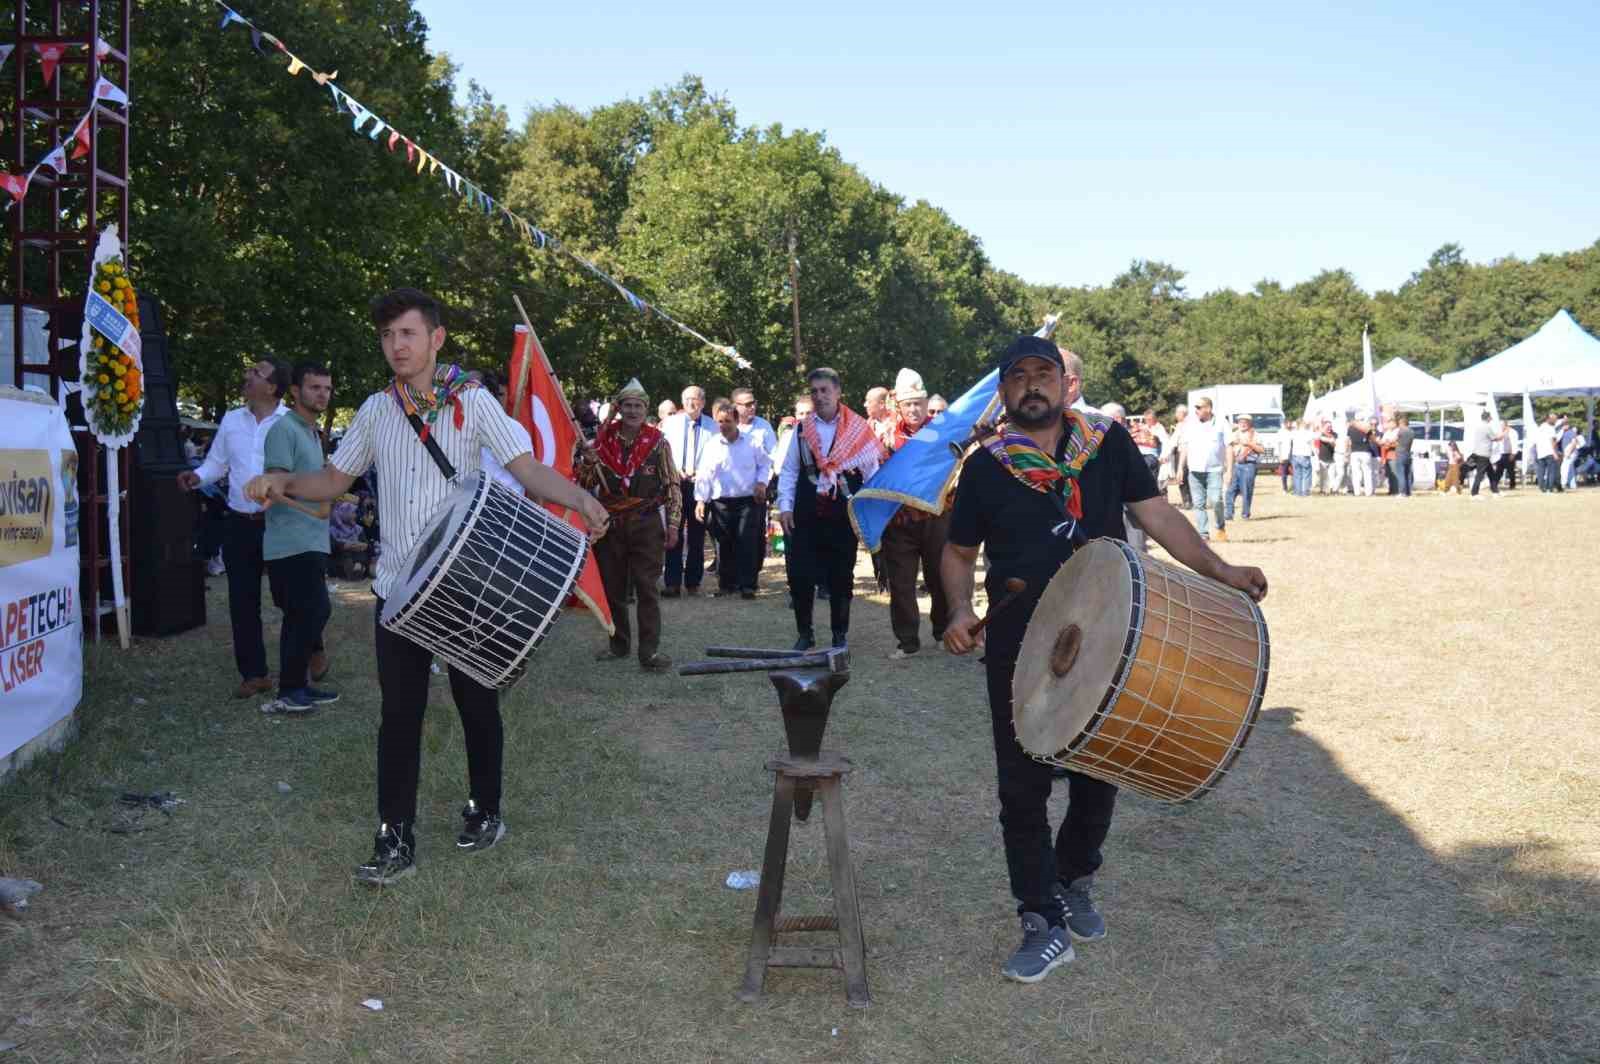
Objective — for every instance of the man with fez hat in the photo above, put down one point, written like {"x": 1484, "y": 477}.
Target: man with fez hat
{"x": 914, "y": 537}
{"x": 629, "y": 468}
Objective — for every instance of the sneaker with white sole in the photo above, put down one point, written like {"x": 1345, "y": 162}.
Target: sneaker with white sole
{"x": 393, "y": 858}
{"x": 289, "y": 704}
{"x": 1043, "y": 950}
{"x": 479, "y": 830}
{"x": 1083, "y": 919}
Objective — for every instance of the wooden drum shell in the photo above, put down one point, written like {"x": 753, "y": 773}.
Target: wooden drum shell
{"x": 1182, "y": 697}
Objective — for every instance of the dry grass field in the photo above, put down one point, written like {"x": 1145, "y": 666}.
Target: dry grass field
{"x": 1405, "y": 867}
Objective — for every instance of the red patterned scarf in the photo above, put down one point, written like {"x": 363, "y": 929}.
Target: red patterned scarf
{"x": 608, "y": 443}
{"x": 854, "y": 445}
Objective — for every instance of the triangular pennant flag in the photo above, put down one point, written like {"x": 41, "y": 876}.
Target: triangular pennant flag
{"x": 104, "y": 90}
{"x": 378, "y": 127}
{"x": 255, "y": 41}
{"x": 361, "y": 113}
{"x": 323, "y": 79}
{"x": 229, "y": 17}
{"x": 295, "y": 66}
{"x": 16, "y": 184}
{"x": 56, "y": 160}
{"x": 411, "y": 149}
{"x": 101, "y": 48}
{"x": 270, "y": 39}
{"x": 339, "y": 98}
{"x": 49, "y": 56}
{"x": 433, "y": 164}
{"x": 82, "y": 137}
{"x": 394, "y": 137}
{"x": 5, "y": 52}
{"x": 422, "y": 160}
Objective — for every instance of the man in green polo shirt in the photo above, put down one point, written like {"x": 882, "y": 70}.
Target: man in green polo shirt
{"x": 295, "y": 544}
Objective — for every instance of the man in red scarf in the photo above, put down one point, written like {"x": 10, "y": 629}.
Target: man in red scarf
{"x": 833, "y": 451}
{"x": 914, "y": 537}
{"x": 630, "y": 469}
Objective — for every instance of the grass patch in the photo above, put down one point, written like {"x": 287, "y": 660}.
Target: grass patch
{"x": 1403, "y": 867}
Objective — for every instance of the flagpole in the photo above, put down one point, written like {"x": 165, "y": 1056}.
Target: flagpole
{"x": 543, "y": 358}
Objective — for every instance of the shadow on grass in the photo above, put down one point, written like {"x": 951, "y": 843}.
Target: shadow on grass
{"x": 1290, "y": 916}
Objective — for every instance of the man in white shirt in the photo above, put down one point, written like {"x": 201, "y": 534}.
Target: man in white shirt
{"x": 687, "y": 432}
{"x": 730, "y": 496}
{"x": 461, "y": 419}
{"x": 236, "y": 453}
{"x": 833, "y": 451}
{"x": 1203, "y": 448}
{"x": 1480, "y": 445}
{"x": 1545, "y": 451}
{"x": 753, "y": 424}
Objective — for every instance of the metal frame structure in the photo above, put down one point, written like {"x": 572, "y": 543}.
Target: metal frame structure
{"x": 55, "y": 227}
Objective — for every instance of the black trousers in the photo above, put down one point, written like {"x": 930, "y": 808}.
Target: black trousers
{"x": 1031, "y": 861}
{"x": 403, "y": 680}
{"x": 300, "y": 585}
{"x": 241, "y": 553}
{"x": 822, "y": 550}
{"x": 741, "y": 528}
{"x": 1482, "y": 467}
{"x": 685, "y": 566}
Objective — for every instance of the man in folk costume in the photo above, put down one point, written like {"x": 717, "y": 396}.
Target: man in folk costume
{"x": 630, "y": 469}
{"x": 914, "y": 537}
{"x": 425, "y": 401}
{"x": 1048, "y": 478}
{"x": 833, "y": 451}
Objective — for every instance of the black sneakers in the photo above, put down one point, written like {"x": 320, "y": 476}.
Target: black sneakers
{"x": 1043, "y": 950}
{"x": 393, "y": 858}
{"x": 1083, "y": 919}
{"x": 479, "y": 830}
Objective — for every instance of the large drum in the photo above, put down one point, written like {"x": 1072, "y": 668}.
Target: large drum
{"x": 1140, "y": 673}
{"x": 485, "y": 581}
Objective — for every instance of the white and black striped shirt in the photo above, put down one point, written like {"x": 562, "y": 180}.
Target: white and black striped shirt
{"x": 411, "y": 490}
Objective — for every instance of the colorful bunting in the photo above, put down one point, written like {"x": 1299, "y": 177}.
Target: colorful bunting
{"x": 5, "y": 52}
{"x": 361, "y": 115}
{"x": 49, "y": 56}
{"x": 16, "y": 184}
{"x": 81, "y": 135}
{"x": 56, "y": 160}
{"x": 104, "y": 90}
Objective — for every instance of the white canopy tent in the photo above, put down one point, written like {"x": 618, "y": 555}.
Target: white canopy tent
{"x": 1558, "y": 360}
{"x": 1398, "y": 383}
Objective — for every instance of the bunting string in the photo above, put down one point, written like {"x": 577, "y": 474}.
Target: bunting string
{"x": 56, "y": 158}
{"x": 365, "y": 121}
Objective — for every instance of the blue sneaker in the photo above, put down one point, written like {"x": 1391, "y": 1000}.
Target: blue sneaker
{"x": 319, "y": 696}
{"x": 1083, "y": 919}
{"x": 290, "y": 704}
{"x": 1043, "y": 950}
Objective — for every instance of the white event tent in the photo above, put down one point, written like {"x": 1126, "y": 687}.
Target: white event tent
{"x": 1398, "y": 383}
{"x": 1558, "y": 360}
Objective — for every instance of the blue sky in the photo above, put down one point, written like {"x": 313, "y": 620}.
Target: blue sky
{"x": 1236, "y": 141}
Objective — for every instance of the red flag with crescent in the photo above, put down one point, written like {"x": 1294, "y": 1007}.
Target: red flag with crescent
{"x": 535, "y": 400}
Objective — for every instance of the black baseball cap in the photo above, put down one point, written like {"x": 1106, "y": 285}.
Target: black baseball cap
{"x": 1029, "y": 346}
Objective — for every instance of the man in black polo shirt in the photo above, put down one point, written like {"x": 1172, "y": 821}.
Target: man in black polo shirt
{"x": 1049, "y": 477}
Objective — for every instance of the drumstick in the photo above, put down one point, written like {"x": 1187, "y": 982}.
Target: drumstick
{"x": 1015, "y": 586}
{"x": 309, "y": 511}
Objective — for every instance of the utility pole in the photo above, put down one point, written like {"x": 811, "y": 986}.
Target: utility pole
{"x": 794, "y": 292}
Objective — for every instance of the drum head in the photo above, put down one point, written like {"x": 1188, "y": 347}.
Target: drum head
{"x": 1093, "y": 590}
{"x": 436, "y": 542}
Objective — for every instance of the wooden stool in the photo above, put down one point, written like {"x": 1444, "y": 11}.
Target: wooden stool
{"x": 825, "y": 774}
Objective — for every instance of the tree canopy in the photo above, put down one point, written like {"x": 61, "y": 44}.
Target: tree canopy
{"x": 263, "y": 224}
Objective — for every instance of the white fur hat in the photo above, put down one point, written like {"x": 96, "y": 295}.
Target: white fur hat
{"x": 908, "y": 385}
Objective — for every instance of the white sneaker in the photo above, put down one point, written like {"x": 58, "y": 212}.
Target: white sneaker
{"x": 899, "y": 654}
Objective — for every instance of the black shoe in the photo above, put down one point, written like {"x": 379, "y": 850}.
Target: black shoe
{"x": 479, "y": 830}
{"x": 840, "y": 639}
{"x": 822, "y": 594}
{"x": 321, "y": 697}
{"x": 393, "y": 858}
{"x": 747, "y": 594}
{"x": 670, "y": 592}
{"x": 805, "y": 642}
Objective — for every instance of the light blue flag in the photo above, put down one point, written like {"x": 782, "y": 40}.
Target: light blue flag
{"x": 922, "y": 473}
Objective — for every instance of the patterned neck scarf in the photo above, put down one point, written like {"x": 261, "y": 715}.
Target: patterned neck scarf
{"x": 449, "y": 382}
{"x": 620, "y": 458}
{"x": 1039, "y": 470}
{"x": 854, "y": 445}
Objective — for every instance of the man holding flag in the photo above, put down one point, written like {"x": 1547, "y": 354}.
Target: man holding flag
{"x": 914, "y": 537}
{"x": 630, "y": 469}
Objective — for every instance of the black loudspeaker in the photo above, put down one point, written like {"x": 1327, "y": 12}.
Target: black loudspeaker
{"x": 159, "y": 444}
{"x": 169, "y": 590}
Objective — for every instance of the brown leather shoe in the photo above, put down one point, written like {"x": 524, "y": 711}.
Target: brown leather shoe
{"x": 261, "y": 685}
{"x": 318, "y": 665}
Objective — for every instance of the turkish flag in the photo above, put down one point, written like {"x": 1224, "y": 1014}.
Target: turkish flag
{"x": 536, "y": 402}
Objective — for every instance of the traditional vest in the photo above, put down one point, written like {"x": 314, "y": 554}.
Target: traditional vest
{"x": 808, "y": 504}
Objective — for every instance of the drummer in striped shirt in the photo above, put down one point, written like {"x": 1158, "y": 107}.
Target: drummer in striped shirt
{"x": 465, "y": 420}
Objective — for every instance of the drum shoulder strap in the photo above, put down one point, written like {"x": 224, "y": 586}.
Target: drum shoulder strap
{"x": 446, "y": 470}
